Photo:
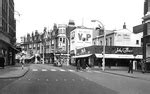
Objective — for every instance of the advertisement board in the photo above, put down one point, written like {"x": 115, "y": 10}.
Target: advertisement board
{"x": 81, "y": 37}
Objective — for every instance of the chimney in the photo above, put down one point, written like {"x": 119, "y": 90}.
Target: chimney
{"x": 124, "y": 26}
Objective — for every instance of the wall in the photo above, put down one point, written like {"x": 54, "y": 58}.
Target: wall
{"x": 81, "y": 37}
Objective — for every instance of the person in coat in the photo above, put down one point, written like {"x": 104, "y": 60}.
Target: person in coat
{"x": 130, "y": 67}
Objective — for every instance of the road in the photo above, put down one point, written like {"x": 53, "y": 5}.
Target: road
{"x": 46, "y": 79}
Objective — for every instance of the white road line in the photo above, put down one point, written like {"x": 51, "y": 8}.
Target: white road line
{"x": 71, "y": 70}
{"x": 53, "y": 69}
{"x": 34, "y": 69}
{"x": 62, "y": 70}
{"x": 44, "y": 69}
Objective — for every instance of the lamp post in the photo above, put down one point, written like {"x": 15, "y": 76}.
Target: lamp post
{"x": 44, "y": 42}
{"x": 67, "y": 51}
{"x": 104, "y": 43}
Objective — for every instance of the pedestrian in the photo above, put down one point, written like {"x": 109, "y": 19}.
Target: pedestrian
{"x": 78, "y": 65}
{"x": 130, "y": 67}
{"x": 22, "y": 62}
{"x": 143, "y": 66}
{"x": 2, "y": 60}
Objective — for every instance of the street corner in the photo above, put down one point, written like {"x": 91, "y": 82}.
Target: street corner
{"x": 19, "y": 72}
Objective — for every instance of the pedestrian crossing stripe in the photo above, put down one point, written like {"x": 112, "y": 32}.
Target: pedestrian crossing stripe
{"x": 62, "y": 70}
{"x": 44, "y": 69}
{"x": 34, "y": 69}
{"x": 53, "y": 70}
{"x": 71, "y": 70}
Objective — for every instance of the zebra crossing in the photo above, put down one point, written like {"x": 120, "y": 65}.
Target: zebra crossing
{"x": 63, "y": 70}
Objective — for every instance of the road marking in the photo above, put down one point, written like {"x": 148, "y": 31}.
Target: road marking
{"x": 53, "y": 69}
{"x": 46, "y": 79}
{"x": 73, "y": 79}
{"x": 34, "y": 69}
{"x": 56, "y": 80}
{"x": 71, "y": 70}
{"x": 62, "y": 70}
{"x": 44, "y": 69}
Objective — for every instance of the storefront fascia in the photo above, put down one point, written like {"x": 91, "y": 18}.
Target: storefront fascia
{"x": 119, "y": 56}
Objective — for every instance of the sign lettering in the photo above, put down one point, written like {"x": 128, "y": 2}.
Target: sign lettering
{"x": 123, "y": 50}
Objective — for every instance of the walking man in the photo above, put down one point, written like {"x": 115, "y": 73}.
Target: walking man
{"x": 78, "y": 65}
{"x": 143, "y": 66}
{"x": 130, "y": 67}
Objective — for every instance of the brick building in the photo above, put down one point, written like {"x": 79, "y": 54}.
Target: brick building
{"x": 7, "y": 31}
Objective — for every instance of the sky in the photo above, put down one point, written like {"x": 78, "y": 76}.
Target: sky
{"x": 37, "y": 14}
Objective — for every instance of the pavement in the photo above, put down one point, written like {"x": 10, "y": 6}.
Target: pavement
{"x": 13, "y": 71}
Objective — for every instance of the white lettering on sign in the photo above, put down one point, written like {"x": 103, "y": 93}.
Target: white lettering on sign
{"x": 123, "y": 50}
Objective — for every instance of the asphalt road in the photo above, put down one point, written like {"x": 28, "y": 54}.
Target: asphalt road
{"x": 45, "y": 79}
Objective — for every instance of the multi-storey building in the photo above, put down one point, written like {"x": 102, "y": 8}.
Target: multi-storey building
{"x": 7, "y": 31}
{"x": 146, "y": 33}
{"x": 121, "y": 46}
{"x": 122, "y": 37}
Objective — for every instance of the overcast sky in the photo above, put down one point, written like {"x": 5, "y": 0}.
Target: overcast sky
{"x": 37, "y": 14}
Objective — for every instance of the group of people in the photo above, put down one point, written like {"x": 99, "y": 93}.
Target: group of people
{"x": 142, "y": 63}
{"x": 81, "y": 65}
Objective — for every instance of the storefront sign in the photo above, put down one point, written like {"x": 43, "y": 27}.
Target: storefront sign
{"x": 123, "y": 50}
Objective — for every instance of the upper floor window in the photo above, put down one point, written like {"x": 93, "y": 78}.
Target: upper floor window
{"x": 148, "y": 28}
{"x": 106, "y": 41}
{"x": 110, "y": 41}
{"x": 137, "y": 42}
{"x": 60, "y": 39}
{"x": 63, "y": 40}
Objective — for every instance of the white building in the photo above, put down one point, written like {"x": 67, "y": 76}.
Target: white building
{"x": 80, "y": 37}
{"x": 122, "y": 37}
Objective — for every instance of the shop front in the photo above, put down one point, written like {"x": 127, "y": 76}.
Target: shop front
{"x": 115, "y": 56}
{"x": 7, "y": 51}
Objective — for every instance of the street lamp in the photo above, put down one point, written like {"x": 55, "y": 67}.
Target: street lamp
{"x": 67, "y": 51}
{"x": 103, "y": 53}
{"x": 44, "y": 42}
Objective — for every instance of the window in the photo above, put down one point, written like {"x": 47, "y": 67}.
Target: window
{"x": 106, "y": 41}
{"x": 148, "y": 28}
{"x": 110, "y": 41}
{"x": 60, "y": 39}
{"x": 137, "y": 42}
{"x": 63, "y": 40}
{"x": 101, "y": 43}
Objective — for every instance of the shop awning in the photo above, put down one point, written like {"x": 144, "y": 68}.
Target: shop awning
{"x": 82, "y": 56}
{"x": 119, "y": 56}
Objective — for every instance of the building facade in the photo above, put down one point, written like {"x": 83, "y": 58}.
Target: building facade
{"x": 7, "y": 31}
{"x": 121, "y": 47}
{"x": 122, "y": 37}
{"x": 146, "y": 33}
